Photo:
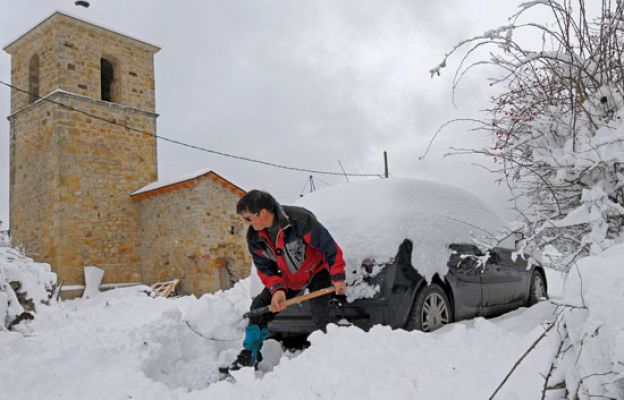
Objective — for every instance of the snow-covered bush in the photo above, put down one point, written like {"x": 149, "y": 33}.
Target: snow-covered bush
{"x": 24, "y": 284}
{"x": 590, "y": 330}
{"x": 556, "y": 124}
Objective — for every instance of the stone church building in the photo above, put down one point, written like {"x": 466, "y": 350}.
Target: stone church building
{"x": 85, "y": 191}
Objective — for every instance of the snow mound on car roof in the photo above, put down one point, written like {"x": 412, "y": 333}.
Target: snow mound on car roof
{"x": 371, "y": 219}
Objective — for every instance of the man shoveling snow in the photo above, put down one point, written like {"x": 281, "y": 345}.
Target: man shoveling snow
{"x": 291, "y": 251}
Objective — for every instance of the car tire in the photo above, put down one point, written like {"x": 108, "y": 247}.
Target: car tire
{"x": 294, "y": 342}
{"x": 538, "y": 291}
{"x": 431, "y": 309}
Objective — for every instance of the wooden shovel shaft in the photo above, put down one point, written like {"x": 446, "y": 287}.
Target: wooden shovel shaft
{"x": 290, "y": 302}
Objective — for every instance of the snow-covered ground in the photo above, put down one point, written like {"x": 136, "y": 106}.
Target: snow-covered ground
{"x": 123, "y": 344}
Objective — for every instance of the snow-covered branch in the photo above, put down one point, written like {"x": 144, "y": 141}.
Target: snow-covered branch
{"x": 556, "y": 124}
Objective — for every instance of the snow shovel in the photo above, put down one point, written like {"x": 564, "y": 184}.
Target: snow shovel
{"x": 295, "y": 300}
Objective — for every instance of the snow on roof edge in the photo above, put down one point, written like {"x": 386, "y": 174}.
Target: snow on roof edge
{"x": 171, "y": 181}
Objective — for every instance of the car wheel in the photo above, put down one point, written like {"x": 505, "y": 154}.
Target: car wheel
{"x": 538, "y": 288}
{"x": 294, "y": 342}
{"x": 431, "y": 309}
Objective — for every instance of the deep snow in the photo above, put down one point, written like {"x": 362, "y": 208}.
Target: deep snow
{"x": 35, "y": 279}
{"x": 123, "y": 344}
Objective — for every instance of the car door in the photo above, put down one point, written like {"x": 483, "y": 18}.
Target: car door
{"x": 464, "y": 276}
{"x": 501, "y": 283}
{"x": 522, "y": 270}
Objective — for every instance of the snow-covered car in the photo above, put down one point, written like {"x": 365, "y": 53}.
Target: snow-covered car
{"x": 411, "y": 257}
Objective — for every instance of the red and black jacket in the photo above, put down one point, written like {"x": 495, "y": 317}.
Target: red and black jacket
{"x": 301, "y": 248}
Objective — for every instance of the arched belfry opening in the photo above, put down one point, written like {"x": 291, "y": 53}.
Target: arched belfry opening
{"x": 107, "y": 79}
{"x": 33, "y": 78}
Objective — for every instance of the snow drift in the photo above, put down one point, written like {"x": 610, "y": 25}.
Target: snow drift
{"x": 124, "y": 344}
{"x": 592, "y": 328}
{"x": 23, "y": 283}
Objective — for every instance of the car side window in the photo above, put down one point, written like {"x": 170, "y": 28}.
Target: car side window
{"x": 463, "y": 261}
{"x": 500, "y": 257}
{"x": 468, "y": 262}
{"x": 464, "y": 256}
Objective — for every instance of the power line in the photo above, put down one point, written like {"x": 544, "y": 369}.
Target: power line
{"x": 191, "y": 146}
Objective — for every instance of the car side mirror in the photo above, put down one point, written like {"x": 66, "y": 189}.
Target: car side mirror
{"x": 404, "y": 254}
{"x": 368, "y": 264}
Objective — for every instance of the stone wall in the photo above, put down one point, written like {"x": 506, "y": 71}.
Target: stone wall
{"x": 70, "y": 51}
{"x": 81, "y": 48}
{"x": 80, "y": 171}
{"x": 33, "y": 182}
{"x": 41, "y": 43}
{"x": 194, "y": 234}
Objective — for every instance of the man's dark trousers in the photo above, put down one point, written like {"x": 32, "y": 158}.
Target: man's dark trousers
{"x": 319, "y": 305}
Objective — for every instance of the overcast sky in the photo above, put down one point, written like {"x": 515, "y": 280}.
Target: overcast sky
{"x": 299, "y": 83}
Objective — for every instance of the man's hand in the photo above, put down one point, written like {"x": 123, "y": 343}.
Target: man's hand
{"x": 278, "y": 301}
{"x": 340, "y": 287}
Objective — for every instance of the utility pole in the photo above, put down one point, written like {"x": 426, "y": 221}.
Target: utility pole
{"x": 312, "y": 186}
{"x": 386, "y": 164}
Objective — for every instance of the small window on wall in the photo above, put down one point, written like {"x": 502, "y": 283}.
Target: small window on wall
{"x": 33, "y": 78}
{"x": 107, "y": 79}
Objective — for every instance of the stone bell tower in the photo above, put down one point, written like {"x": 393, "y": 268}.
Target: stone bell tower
{"x": 71, "y": 174}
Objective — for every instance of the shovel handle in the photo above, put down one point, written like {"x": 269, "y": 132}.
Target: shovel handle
{"x": 290, "y": 302}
